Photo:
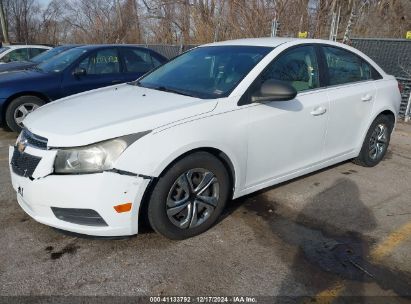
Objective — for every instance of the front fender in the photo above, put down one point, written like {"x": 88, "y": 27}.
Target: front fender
{"x": 151, "y": 154}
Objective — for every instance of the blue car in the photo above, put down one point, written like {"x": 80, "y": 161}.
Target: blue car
{"x": 73, "y": 71}
{"x": 21, "y": 65}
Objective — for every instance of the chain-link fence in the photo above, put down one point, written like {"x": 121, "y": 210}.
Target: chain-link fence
{"x": 393, "y": 55}
{"x": 168, "y": 50}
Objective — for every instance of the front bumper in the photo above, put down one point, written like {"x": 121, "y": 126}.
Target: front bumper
{"x": 99, "y": 192}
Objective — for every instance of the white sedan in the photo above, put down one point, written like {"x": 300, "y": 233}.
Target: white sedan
{"x": 22, "y": 52}
{"x": 218, "y": 122}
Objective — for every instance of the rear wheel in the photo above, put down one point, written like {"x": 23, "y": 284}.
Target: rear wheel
{"x": 376, "y": 142}
{"x": 19, "y": 108}
{"x": 189, "y": 197}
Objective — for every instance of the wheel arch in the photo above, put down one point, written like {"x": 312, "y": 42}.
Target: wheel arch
{"x": 20, "y": 94}
{"x": 384, "y": 111}
{"x": 390, "y": 114}
{"x": 218, "y": 153}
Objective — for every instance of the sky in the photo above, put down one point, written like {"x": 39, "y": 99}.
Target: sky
{"x": 44, "y": 3}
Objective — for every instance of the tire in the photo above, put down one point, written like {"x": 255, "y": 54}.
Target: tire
{"x": 376, "y": 142}
{"x": 173, "y": 192}
{"x": 14, "y": 115}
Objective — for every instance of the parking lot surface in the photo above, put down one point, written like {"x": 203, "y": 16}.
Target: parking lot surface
{"x": 339, "y": 232}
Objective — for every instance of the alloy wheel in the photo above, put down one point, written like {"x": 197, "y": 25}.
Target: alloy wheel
{"x": 378, "y": 141}
{"x": 22, "y": 111}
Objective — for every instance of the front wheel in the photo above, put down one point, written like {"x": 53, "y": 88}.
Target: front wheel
{"x": 376, "y": 142}
{"x": 19, "y": 108}
{"x": 189, "y": 197}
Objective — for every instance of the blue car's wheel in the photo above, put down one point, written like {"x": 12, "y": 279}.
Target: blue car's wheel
{"x": 19, "y": 108}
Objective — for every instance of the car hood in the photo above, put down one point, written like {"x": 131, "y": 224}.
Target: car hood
{"x": 15, "y": 65}
{"x": 110, "y": 112}
{"x": 19, "y": 75}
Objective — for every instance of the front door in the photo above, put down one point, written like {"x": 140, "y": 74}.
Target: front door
{"x": 101, "y": 68}
{"x": 288, "y": 136}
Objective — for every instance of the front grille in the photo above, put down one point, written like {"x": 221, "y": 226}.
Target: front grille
{"x": 88, "y": 217}
{"x": 24, "y": 164}
{"x": 34, "y": 140}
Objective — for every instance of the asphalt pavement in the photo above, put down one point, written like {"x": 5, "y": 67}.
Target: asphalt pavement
{"x": 343, "y": 231}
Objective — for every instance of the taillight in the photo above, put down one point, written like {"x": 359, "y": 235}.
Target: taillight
{"x": 400, "y": 87}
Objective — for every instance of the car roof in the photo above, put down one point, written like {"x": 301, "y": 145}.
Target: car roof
{"x": 20, "y": 46}
{"x": 97, "y": 46}
{"x": 272, "y": 42}
{"x": 266, "y": 41}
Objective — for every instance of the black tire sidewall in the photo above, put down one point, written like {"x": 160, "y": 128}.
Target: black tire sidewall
{"x": 156, "y": 208}
{"x": 9, "y": 116}
{"x": 364, "y": 154}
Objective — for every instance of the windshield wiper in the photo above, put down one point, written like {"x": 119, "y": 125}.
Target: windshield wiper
{"x": 170, "y": 90}
{"x": 163, "y": 89}
{"x": 36, "y": 68}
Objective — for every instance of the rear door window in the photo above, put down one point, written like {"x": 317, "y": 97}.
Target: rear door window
{"x": 346, "y": 67}
{"x": 156, "y": 60}
{"x": 137, "y": 61}
{"x": 36, "y": 51}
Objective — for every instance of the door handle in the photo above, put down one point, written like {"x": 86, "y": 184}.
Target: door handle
{"x": 367, "y": 97}
{"x": 318, "y": 111}
{"x": 116, "y": 81}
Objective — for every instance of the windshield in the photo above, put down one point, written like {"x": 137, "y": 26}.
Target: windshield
{"x": 60, "y": 62}
{"x": 206, "y": 72}
{"x": 3, "y": 49}
{"x": 49, "y": 54}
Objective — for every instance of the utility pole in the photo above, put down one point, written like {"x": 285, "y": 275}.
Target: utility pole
{"x": 4, "y": 24}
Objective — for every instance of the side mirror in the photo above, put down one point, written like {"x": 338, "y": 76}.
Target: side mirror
{"x": 79, "y": 72}
{"x": 274, "y": 90}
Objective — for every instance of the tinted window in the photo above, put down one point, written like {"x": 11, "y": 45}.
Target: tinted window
{"x": 206, "y": 72}
{"x": 61, "y": 61}
{"x": 35, "y": 51}
{"x": 157, "y": 60}
{"x": 137, "y": 61}
{"x": 298, "y": 67}
{"x": 345, "y": 67}
{"x": 16, "y": 55}
{"x": 50, "y": 53}
{"x": 101, "y": 62}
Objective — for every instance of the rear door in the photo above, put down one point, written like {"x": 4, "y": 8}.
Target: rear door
{"x": 101, "y": 68}
{"x": 351, "y": 92}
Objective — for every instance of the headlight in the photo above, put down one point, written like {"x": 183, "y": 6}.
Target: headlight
{"x": 93, "y": 158}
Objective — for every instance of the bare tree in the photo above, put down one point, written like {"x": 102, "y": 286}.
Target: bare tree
{"x": 197, "y": 21}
